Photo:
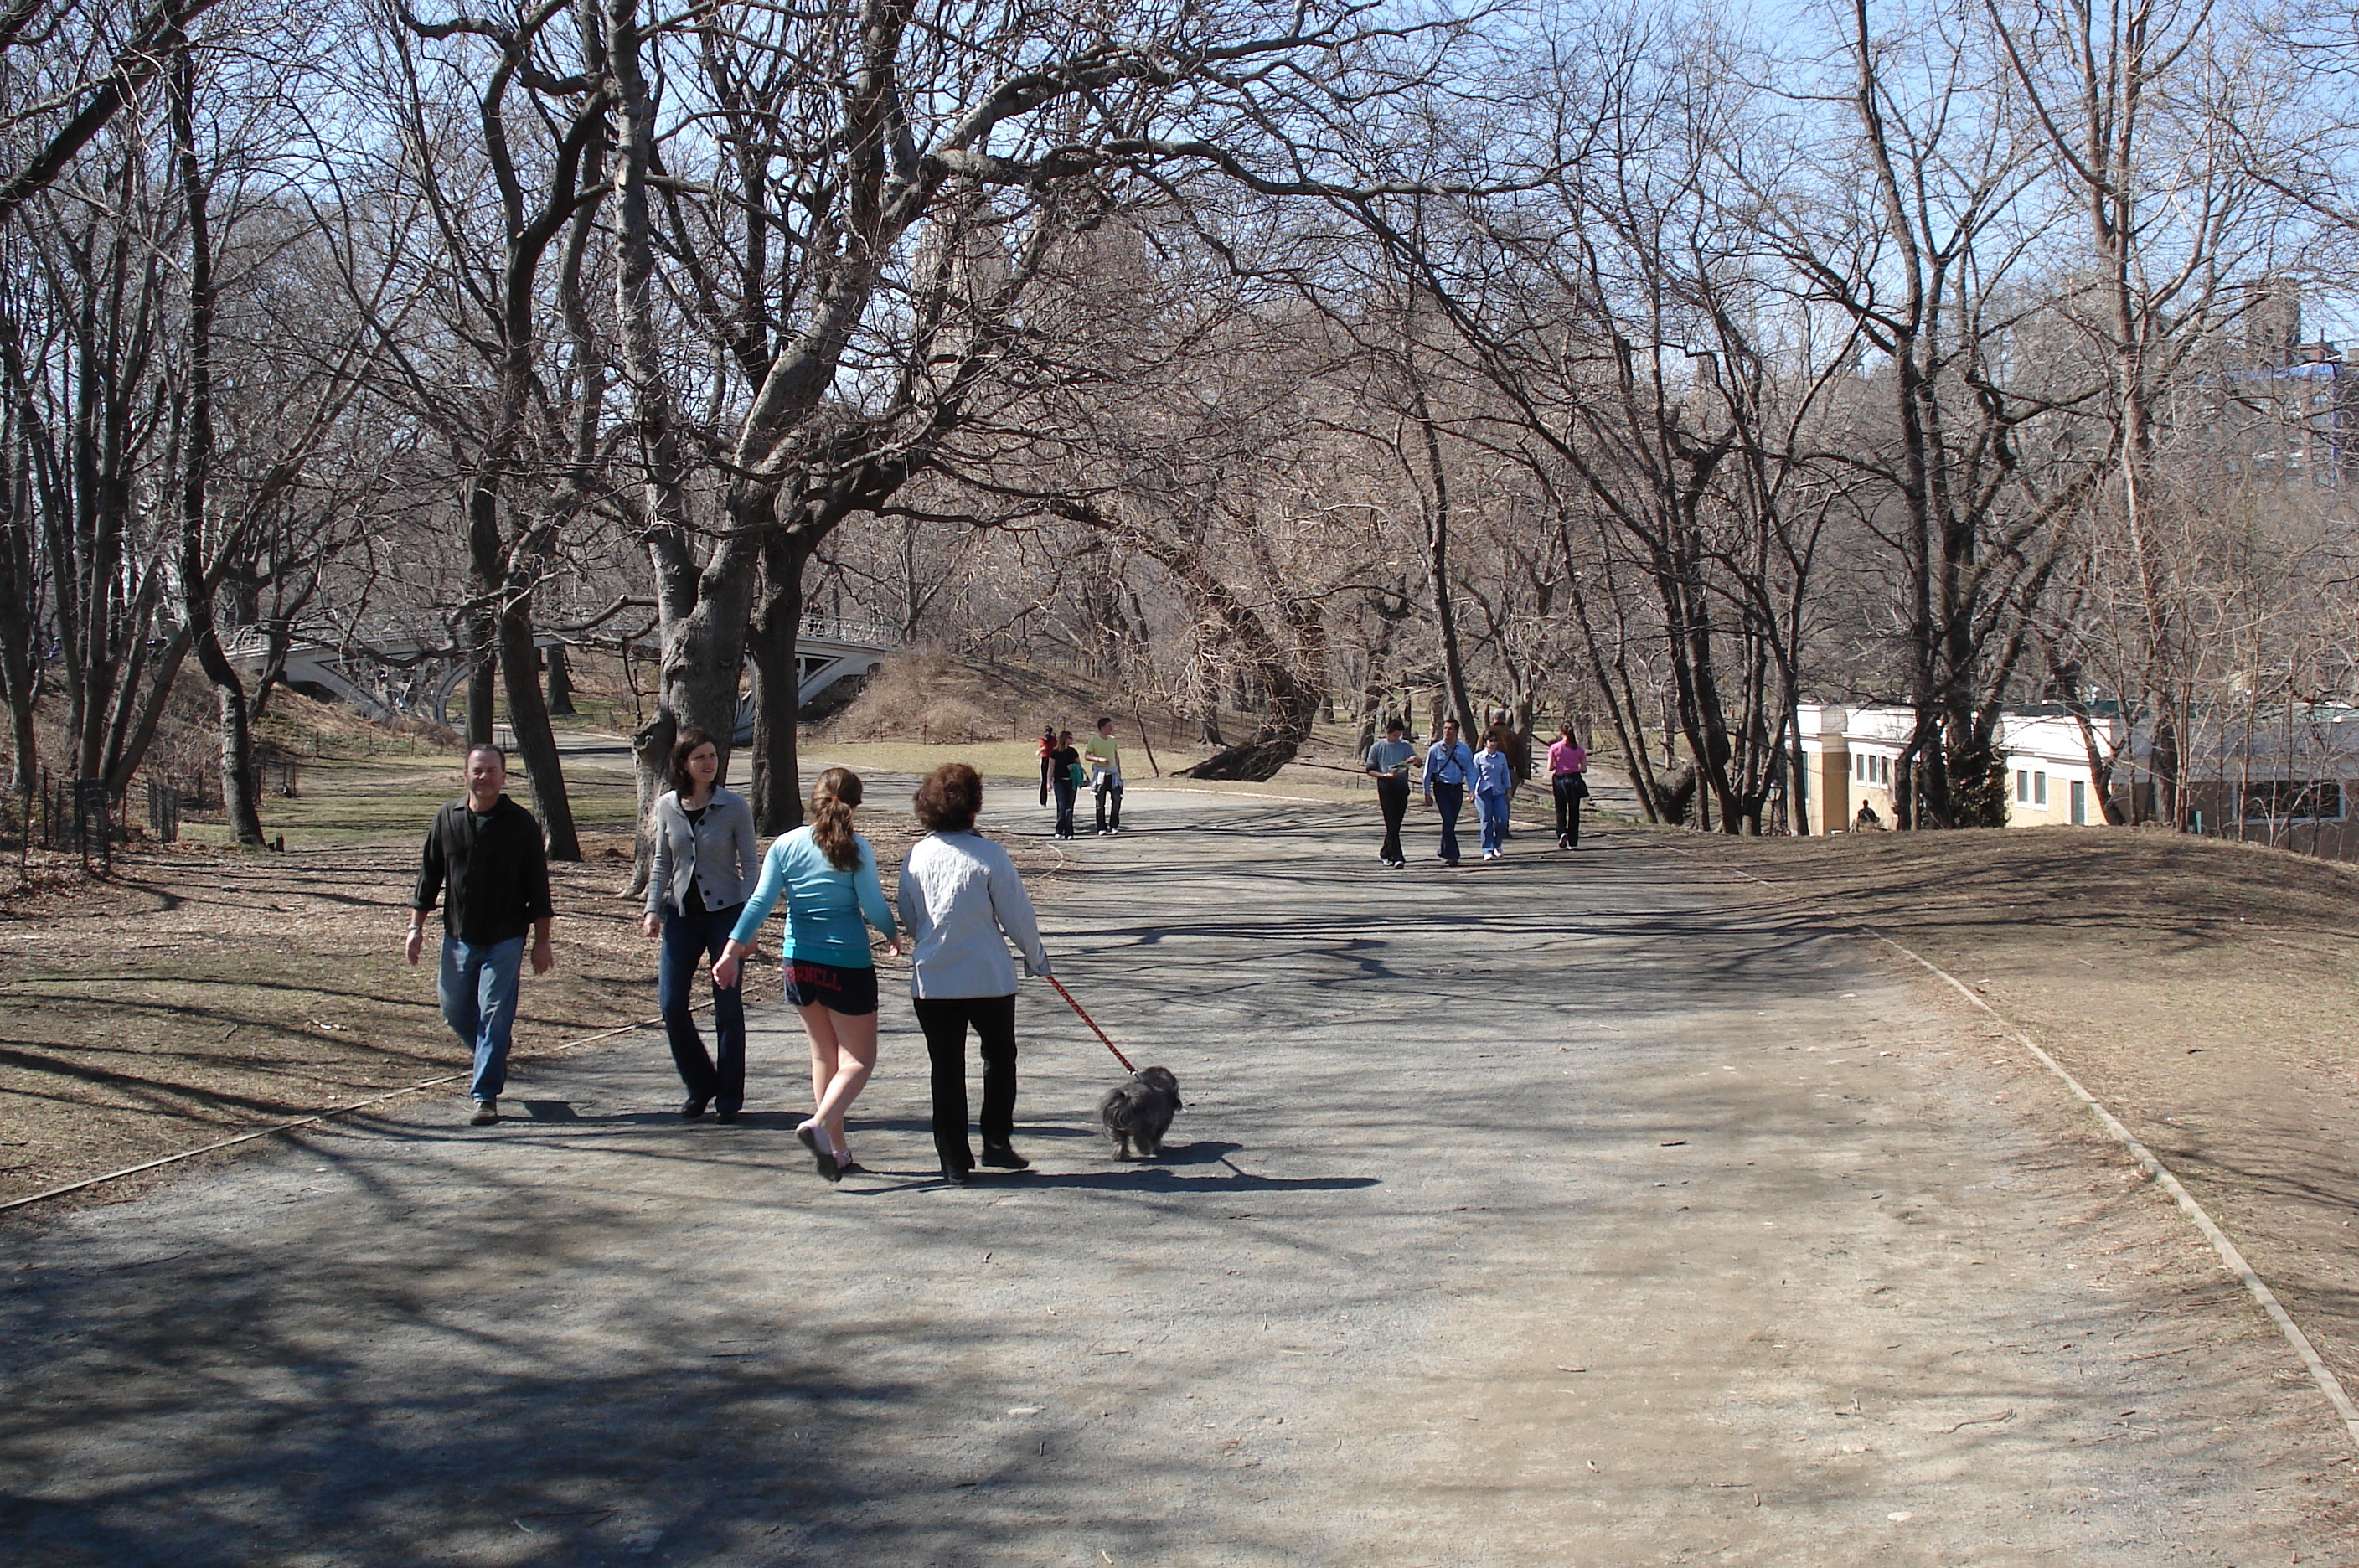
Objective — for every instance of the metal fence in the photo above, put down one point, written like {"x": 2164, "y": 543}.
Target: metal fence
{"x": 80, "y": 815}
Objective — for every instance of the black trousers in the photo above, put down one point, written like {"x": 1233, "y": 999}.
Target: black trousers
{"x": 1568, "y": 807}
{"x": 944, "y": 1021}
{"x": 1392, "y": 798}
{"x": 1063, "y": 790}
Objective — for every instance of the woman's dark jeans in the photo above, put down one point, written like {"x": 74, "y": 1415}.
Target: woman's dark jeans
{"x": 944, "y": 1021}
{"x": 1065, "y": 789}
{"x": 1568, "y": 807}
{"x": 688, "y": 942}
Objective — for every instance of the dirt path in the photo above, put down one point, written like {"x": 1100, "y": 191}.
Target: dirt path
{"x": 1556, "y": 1212}
{"x": 2207, "y": 992}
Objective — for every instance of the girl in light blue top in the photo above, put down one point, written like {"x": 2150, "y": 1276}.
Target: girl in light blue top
{"x": 827, "y": 874}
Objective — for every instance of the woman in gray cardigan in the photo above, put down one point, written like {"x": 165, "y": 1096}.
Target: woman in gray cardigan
{"x": 963, "y": 904}
{"x": 706, "y": 861}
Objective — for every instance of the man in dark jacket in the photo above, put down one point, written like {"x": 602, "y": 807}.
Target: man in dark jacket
{"x": 485, "y": 857}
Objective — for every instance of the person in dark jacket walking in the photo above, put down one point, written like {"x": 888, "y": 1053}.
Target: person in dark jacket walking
{"x": 486, "y": 860}
{"x": 1389, "y": 762}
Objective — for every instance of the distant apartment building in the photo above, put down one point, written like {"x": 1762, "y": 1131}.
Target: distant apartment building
{"x": 2277, "y": 410}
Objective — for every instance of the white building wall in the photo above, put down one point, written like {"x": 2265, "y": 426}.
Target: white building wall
{"x": 2050, "y": 782}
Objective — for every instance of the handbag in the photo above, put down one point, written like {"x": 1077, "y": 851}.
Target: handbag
{"x": 1080, "y": 777}
{"x": 1580, "y": 787}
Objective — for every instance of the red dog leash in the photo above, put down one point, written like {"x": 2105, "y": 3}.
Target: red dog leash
{"x": 1110, "y": 1045}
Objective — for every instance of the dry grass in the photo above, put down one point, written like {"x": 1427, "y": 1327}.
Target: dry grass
{"x": 920, "y": 695}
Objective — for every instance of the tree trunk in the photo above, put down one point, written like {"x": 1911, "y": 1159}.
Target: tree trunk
{"x": 777, "y": 795}
{"x": 536, "y": 742}
{"x": 1445, "y": 613}
{"x": 240, "y": 787}
{"x": 482, "y": 681}
{"x": 561, "y": 682}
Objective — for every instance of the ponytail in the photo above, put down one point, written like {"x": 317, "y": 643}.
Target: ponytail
{"x": 833, "y": 798}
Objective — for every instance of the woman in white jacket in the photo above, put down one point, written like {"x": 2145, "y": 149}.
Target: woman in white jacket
{"x": 706, "y": 860}
{"x": 962, "y": 903}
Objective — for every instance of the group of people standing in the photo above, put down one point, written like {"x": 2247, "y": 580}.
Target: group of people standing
{"x": 1065, "y": 772}
{"x": 1452, "y": 769}
{"x": 708, "y": 894}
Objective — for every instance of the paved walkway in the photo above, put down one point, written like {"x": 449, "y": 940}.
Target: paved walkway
{"x": 1537, "y": 1214}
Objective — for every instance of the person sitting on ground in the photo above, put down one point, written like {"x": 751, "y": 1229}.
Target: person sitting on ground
{"x": 1867, "y": 820}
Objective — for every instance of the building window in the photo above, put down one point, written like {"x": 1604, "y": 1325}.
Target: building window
{"x": 1884, "y": 770}
{"x": 2023, "y": 786}
{"x": 2080, "y": 803}
{"x": 2039, "y": 789}
{"x": 2294, "y": 801}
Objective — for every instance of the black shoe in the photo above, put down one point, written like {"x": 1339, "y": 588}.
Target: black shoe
{"x": 693, "y": 1107}
{"x": 846, "y": 1167}
{"x": 1003, "y": 1157}
{"x": 958, "y": 1176}
{"x": 487, "y": 1113}
{"x": 725, "y": 1115}
{"x": 821, "y": 1156}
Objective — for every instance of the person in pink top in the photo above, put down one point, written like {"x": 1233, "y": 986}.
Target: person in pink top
{"x": 1567, "y": 763}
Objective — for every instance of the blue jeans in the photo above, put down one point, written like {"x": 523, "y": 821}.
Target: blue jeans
{"x": 1449, "y": 799}
{"x": 688, "y": 941}
{"x": 1491, "y": 808}
{"x": 478, "y": 986}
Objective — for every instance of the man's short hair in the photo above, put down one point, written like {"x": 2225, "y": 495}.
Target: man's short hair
{"x": 1103, "y": 722}
{"x": 494, "y": 749}
{"x": 1394, "y": 726}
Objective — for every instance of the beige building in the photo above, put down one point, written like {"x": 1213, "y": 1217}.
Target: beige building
{"x": 1853, "y": 757}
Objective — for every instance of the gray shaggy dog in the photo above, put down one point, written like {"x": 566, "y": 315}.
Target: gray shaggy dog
{"x": 1138, "y": 1112}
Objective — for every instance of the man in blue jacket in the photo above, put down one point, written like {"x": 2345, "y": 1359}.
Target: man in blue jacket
{"x": 1449, "y": 767}
{"x": 485, "y": 857}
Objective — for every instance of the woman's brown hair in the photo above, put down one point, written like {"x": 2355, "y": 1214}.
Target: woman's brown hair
{"x": 948, "y": 799}
{"x": 833, "y": 798}
{"x": 682, "y": 750}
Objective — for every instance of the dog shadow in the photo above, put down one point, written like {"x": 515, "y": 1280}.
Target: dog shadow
{"x": 1174, "y": 1171}
{"x": 1162, "y": 1175}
